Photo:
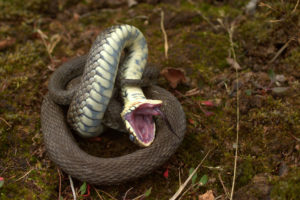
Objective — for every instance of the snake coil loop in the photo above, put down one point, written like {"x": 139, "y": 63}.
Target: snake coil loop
{"x": 63, "y": 149}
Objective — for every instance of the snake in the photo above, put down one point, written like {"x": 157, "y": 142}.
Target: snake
{"x": 92, "y": 101}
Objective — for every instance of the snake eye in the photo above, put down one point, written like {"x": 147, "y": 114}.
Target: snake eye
{"x": 132, "y": 138}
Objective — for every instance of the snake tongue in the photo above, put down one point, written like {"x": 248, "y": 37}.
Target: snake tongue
{"x": 142, "y": 124}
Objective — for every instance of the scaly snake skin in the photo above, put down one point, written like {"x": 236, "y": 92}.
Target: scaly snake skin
{"x": 63, "y": 149}
{"x": 92, "y": 97}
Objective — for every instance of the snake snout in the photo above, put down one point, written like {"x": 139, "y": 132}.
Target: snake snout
{"x": 140, "y": 123}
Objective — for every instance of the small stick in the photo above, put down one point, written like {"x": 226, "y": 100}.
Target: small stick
{"x": 59, "y": 188}
{"x": 2, "y": 119}
{"x": 179, "y": 177}
{"x": 164, "y": 33}
{"x": 207, "y": 20}
{"x": 72, "y": 187}
{"x": 224, "y": 188}
{"x": 3, "y": 171}
{"x": 25, "y": 174}
{"x": 280, "y": 50}
{"x": 191, "y": 186}
{"x": 297, "y": 139}
{"x": 140, "y": 196}
{"x": 99, "y": 195}
{"x": 181, "y": 188}
{"x": 230, "y": 31}
{"x": 124, "y": 198}
{"x": 296, "y": 6}
{"x": 43, "y": 36}
{"x": 106, "y": 193}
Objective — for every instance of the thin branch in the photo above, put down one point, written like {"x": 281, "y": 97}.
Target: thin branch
{"x": 106, "y": 193}
{"x": 164, "y": 33}
{"x": 207, "y": 20}
{"x": 3, "y": 171}
{"x": 224, "y": 188}
{"x": 295, "y": 138}
{"x": 2, "y": 119}
{"x": 281, "y": 50}
{"x": 138, "y": 197}
{"x": 25, "y": 174}
{"x": 43, "y": 36}
{"x": 59, "y": 188}
{"x": 296, "y": 6}
{"x": 179, "y": 177}
{"x": 230, "y": 31}
{"x": 191, "y": 186}
{"x": 99, "y": 195}
{"x": 72, "y": 187}
{"x": 124, "y": 198}
{"x": 181, "y": 188}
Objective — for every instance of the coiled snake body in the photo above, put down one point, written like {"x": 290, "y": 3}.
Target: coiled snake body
{"x": 89, "y": 104}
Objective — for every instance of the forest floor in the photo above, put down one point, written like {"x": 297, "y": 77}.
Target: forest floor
{"x": 219, "y": 52}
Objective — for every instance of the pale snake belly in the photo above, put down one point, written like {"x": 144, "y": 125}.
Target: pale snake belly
{"x": 89, "y": 104}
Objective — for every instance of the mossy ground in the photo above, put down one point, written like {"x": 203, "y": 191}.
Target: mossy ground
{"x": 269, "y": 121}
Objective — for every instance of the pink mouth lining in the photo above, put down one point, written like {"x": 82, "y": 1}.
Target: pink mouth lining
{"x": 141, "y": 120}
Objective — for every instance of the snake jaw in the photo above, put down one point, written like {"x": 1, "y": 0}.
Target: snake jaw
{"x": 138, "y": 118}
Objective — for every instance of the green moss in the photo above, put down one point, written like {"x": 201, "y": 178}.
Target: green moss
{"x": 38, "y": 180}
{"x": 287, "y": 187}
{"x": 23, "y": 58}
{"x": 293, "y": 59}
{"x": 256, "y": 31}
{"x": 246, "y": 171}
{"x": 195, "y": 46}
{"x": 214, "y": 11}
{"x": 22, "y": 10}
{"x": 207, "y": 50}
{"x": 97, "y": 18}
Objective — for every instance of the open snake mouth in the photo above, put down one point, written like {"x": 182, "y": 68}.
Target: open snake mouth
{"x": 140, "y": 123}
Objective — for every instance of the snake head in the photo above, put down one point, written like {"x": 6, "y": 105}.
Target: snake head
{"x": 138, "y": 118}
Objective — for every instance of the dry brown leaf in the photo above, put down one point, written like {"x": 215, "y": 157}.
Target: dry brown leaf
{"x": 174, "y": 76}
{"x": 76, "y": 16}
{"x": 233, "y": 63}
{"x": 7, "y": 42}
{"x": 208, "y": 195}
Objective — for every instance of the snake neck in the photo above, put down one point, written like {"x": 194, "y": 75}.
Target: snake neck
{"x": 91, "y": 99}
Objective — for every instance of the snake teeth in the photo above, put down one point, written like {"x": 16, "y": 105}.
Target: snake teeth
{"x": 90, "y": 101}
{"x": 138, "y": 120}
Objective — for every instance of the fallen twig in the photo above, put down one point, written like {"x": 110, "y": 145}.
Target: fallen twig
{"x": 295, "y": 8}
{"x": 107, "y": 194}
{"x": 203, "y": 16}
{"x": 224, "y": 188}
{"x": 124, "y": 198}
{"x": 2, "y": 119}
{"x": 54, "y": 40}
{"x": 230, "y": 31}
{"x": 189, "y": 188}
{"x": 295, "y": 138}
{"x": 99, "y": 195}
{"x": 166, "y": 46}
{"x": 207, "y": 20}
{"x": 25, "y": 174}
{"x": 72, "y": 187}
{"x": 281, "y": 50}
{"x": 3, "y": 171}
{"x": 181, "y": 188}
{"x": 59, "y": 188}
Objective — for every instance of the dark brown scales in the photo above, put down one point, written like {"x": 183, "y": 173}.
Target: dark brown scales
{"x": 65, "y": 152}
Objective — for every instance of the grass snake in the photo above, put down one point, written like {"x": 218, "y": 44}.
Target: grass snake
{"x": 95, "y": 101}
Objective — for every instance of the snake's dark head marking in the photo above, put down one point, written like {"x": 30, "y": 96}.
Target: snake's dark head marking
{"x": 140, "y": 123}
